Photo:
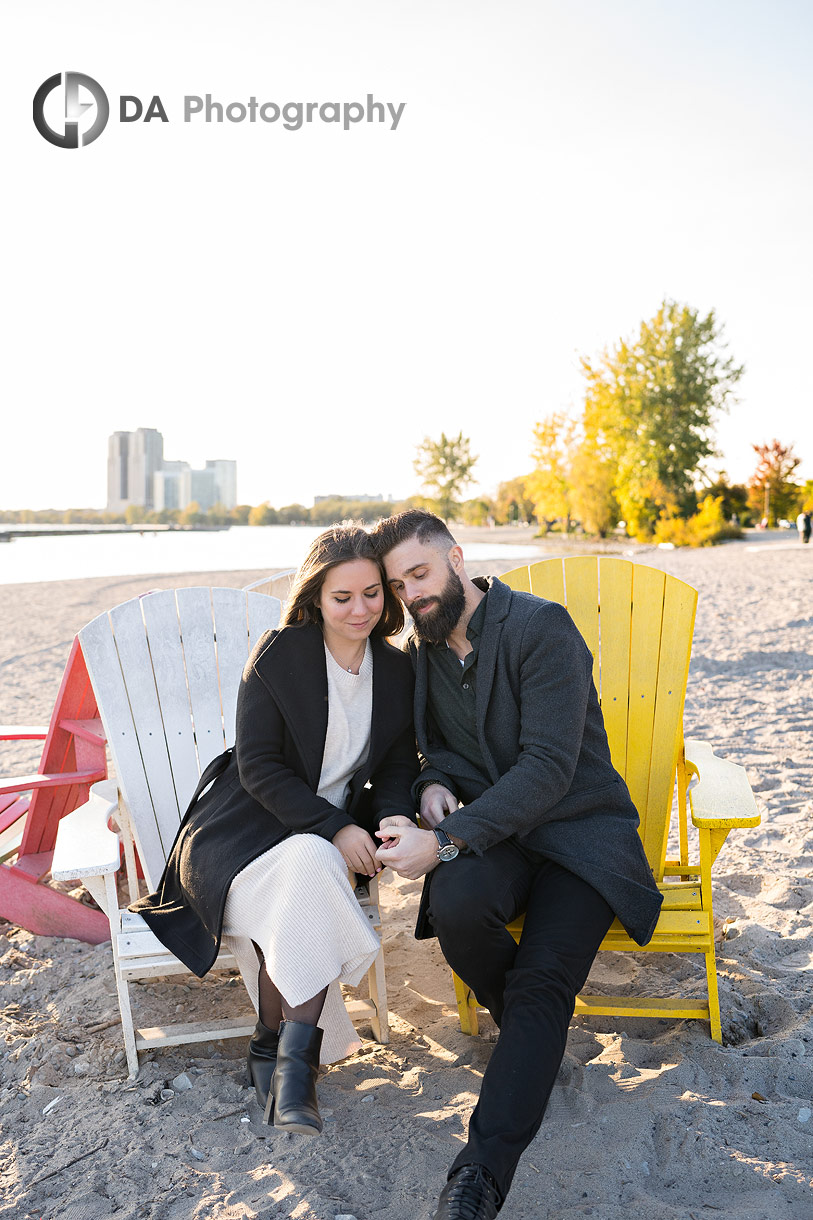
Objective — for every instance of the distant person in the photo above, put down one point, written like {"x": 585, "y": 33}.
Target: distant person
{"x": 522, "y": 811}
{"x": 261, "y": 859}
{"x": 803, "y": 526}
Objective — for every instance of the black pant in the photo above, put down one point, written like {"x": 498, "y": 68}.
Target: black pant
{"x": 529, "y": 989}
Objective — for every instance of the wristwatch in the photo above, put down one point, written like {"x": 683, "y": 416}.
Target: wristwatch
{"x": 447, "y": 850}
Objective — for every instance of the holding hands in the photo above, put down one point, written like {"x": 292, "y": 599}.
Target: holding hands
{"x": 408, "y": 850}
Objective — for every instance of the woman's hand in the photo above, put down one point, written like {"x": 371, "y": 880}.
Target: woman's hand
{"x": 358, "y": 849}
{"x": 395, "y": 819}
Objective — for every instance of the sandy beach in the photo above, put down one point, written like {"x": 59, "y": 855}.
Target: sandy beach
{"x": 647, "y": 1117}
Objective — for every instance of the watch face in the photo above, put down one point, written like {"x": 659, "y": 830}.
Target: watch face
{"x": 448, "y": 852}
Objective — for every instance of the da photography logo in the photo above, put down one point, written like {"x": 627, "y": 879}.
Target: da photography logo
{"x": 76, "y": 128}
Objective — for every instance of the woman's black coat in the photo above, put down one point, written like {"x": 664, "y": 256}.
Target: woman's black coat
{"x": 267, "y": 788}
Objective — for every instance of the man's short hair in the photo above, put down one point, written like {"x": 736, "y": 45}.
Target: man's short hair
{"x": 413, "y": 523}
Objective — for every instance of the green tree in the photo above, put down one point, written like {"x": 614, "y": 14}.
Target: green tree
{"x": 734, "y": 496}
{"x": 513, "y": 504}
{"x": 240, "y": 514}
{"x": 806, "y": 498}
{"x": 135, "y": 514}
{"x": 293, "y": 514}
{"x": 166, "y": 516}
{"x": 772, "y": 491}
{"x": 192, "y": 514}
{"x": 218, "y": 514}
{"x": 477, "y": 511}
{"x": 445, "y": 469}
{"x": 592, "y": 492}
{"x": 263, "y": 514}
{"x": 548, "y": 484}
{"x": 653, "y": 402}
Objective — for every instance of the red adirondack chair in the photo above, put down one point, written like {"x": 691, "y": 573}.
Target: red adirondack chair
{"x": 31, "y": 806}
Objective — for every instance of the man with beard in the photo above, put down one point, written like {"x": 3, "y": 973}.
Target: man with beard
{"x": 522, "y": 811}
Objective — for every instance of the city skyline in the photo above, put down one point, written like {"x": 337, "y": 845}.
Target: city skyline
{"x": 316, "y": 302}
{"x": 138, "y": 474}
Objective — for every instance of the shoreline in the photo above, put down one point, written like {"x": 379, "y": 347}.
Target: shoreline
{"x": 496, "y": 538}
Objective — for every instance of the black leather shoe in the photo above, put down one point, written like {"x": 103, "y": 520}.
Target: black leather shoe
{"x": 470, "y": 1194}
{"x": 292, "y": 1098}
{"x": 262, "y": 1059}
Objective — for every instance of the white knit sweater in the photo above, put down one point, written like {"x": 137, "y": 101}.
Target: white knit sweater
{"x": 347, "y": 744}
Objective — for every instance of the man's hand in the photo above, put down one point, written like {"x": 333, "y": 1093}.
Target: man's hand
{"x": 408, "y": 851}
{"x": 358, "y": 849}
{"x": 436, "y": 802}
{"x": 393, "y": 819}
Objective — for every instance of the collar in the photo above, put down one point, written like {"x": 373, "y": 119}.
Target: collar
{"x": 498, "y": 601}
{"x": 477, "y": 620}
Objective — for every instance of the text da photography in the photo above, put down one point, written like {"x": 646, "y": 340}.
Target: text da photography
{"x": 290, "y": 115}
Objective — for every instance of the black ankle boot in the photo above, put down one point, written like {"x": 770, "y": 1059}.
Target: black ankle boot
{"x": 292, "y": 1098}
{"x": 262, "y": 1059}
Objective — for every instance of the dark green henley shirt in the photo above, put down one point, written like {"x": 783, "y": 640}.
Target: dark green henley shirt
{"x": 452, "y": 684}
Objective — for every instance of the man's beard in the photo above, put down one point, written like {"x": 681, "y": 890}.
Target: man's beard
{"x": 439, "y": 622}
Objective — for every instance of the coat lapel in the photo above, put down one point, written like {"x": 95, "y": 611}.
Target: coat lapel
{"x": 295, "y": 663}
{"x": 497, "y": 604}
{"x": 390, "y": 715}
{"x": 379, "y": 702}
{"x": 421, "y": 695}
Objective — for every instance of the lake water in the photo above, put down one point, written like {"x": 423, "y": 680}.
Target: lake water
{"x": 241, "y": 548}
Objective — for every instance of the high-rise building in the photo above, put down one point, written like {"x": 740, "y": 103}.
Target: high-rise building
{"x": 137, "y": 474}
{"x": 225, "y": 475}
{"x": 117, "y": 472}
{"x": 146, "y": 456}
{"x": 203, "y": 489}
{"x": 172, "y": 486}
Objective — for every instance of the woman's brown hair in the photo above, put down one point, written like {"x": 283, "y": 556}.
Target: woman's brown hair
{"x": 339, "y": 544}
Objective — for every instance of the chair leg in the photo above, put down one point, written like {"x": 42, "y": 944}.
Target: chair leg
{"x": 466, "y": 1006}
{"x": 122, "y": 986}
{"x": 376, "y": 978}
{"x": 377, "y": 983}
{"x": 714, "y": 1000}
{"x": 707, "y": 855}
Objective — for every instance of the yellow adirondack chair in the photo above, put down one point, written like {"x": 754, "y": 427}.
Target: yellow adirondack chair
{"x": 638, "y": 623}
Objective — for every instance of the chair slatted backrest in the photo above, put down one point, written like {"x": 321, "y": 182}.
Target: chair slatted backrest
{"x": 166, "y": 670}
{"x": 638, "y": 624}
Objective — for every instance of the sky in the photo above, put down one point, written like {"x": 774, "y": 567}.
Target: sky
{"x": 312, "y": 303}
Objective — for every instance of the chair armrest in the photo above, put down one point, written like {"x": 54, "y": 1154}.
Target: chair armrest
{"x": 49, "y": 779}
{"x": 85, "y": 845}
{"x": 722, "y": 798}
{"x": 23, "y": 732}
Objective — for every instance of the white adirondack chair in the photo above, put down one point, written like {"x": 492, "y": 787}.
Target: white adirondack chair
{"x": 278, "y": 585}
{"x": 166, "y": 669}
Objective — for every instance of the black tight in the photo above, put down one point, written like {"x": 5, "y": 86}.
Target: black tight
{"x": 274, "y": 1008}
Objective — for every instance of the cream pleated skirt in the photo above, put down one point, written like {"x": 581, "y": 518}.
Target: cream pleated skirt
{"x": 296, "y": 903}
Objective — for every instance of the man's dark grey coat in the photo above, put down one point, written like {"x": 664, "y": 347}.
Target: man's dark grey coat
{"x": 546, "y": 776}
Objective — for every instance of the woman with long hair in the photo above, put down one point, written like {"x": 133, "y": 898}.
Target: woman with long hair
{"x": 324, "y": 750}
